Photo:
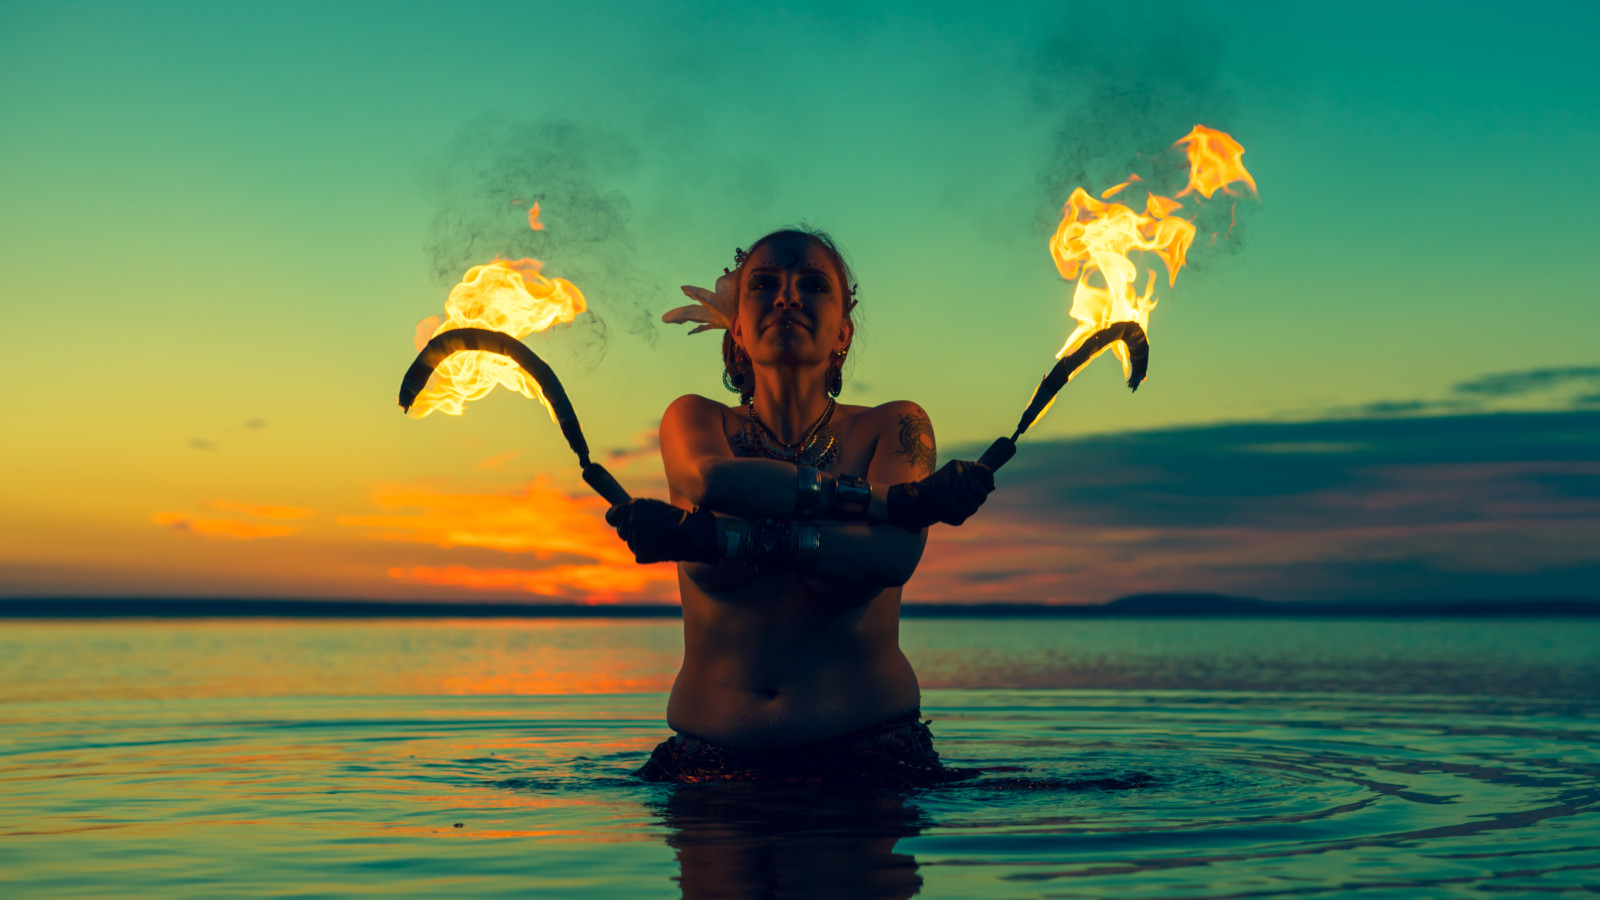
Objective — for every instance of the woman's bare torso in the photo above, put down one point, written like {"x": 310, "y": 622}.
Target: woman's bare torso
{"x": 776, "y": 660}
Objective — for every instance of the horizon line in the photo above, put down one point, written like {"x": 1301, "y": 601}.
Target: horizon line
{"x": 1132, "y": 606}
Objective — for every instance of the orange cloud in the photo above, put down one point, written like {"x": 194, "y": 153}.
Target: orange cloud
{"x": 603, "y": 583}
{"x": 263, "y": 510}
{"x": 220, "y": 528}
{"x": 540, "y": 520}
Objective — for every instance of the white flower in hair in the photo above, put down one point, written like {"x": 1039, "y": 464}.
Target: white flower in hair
{"x": 713, "y": 309}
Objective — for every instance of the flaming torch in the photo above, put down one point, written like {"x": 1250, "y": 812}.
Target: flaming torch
{"x": 1095, "y": 238}
{"x": 479, "y": 345}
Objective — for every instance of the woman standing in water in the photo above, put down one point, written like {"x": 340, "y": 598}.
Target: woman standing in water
{"x": 795, "y": 520}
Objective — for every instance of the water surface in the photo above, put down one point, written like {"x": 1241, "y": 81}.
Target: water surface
{"x": 1164, "y": 758}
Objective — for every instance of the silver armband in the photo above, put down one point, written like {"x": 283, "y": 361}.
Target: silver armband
{"x": 807, "y": 547}
{"x": 852, "y": 496}
{"x": 814, "y": 491}
{"x": 770, "y": 545}
{"x": 731, "y": 537}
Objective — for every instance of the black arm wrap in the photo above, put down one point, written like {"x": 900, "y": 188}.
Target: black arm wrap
{"x": 657, "y": 531}
{"x": 909, "y": 507}
{"x": 950, "y": 495}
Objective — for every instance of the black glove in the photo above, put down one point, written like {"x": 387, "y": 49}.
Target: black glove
{"x": 949, "y": 495}
{"x": 660, "y": 532}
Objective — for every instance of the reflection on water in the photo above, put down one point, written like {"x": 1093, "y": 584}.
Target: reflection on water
{"x": 754, "y": 840}
{"x": 233, "y": 759}
{"x": 278, "y": 658}
{"x": 802, "y": 841}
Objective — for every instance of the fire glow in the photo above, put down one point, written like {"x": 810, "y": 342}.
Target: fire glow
{"x": 1095, "y": 240}
{"x": 1092, "y": 246}
{"x": 509, "y": 296}
{"x": 480, "y": 345}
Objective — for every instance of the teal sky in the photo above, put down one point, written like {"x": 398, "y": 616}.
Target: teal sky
{"x": 215, "y": 219}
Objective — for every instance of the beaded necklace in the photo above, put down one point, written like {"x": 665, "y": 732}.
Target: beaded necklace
{"x": 819, "y": 447}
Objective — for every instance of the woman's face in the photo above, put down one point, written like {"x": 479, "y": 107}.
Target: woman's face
{"x": 791, "y": 305}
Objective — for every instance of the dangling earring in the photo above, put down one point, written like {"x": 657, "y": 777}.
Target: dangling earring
{"x": 734, "y": 379}
{"x": 836, "y": 374}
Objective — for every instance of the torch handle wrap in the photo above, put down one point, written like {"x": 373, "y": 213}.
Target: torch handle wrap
{"x": 998, "y": 453}
{"x": 604, "y": 484}
{"x": 459, "y": 339}
{"x": 1129, "y": 333}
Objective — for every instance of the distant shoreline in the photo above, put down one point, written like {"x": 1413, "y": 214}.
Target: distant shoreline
{"x": 1138, "y": 606}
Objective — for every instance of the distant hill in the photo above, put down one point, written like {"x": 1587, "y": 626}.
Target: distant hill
{"x": 1222, "y": 605}
{"x": 1188, "y": 605}
{"x": 1132, "y": 606}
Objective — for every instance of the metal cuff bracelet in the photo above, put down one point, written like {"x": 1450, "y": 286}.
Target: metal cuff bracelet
{"x": 819, "y": 494}
{"x": 814, "y": 491}
{"x": 770, "y": 544}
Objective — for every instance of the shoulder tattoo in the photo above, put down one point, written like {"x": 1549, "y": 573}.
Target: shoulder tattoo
{"x": 916, "y": 441}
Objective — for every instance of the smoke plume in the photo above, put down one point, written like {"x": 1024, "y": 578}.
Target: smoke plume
{"x": 496, "y": 169}
{"x": 1120, "y": 88}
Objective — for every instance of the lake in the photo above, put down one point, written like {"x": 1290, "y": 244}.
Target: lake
{"x": 1164, "y": 758}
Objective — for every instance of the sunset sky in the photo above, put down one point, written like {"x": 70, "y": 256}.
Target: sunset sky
{"x": 222, "y": 224}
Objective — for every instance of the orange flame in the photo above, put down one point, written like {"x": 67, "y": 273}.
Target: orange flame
{"x": 504, "y": 295}
{"x": 1096, "y": 239}
{"x": 1116, "y": 189}
{"x": 533, "y": 217}
{"x": 1214, "y": 162}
